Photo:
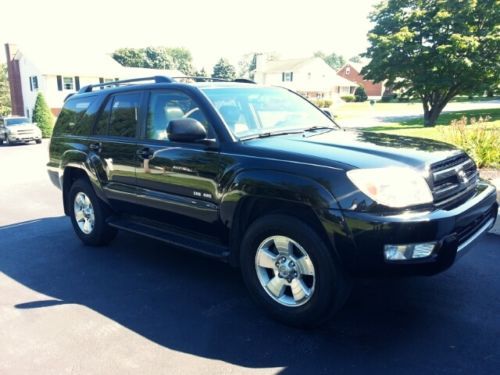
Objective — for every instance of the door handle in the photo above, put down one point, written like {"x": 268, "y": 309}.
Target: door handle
{"x": 95, "y": 146}
{"x": 145, "y": 153}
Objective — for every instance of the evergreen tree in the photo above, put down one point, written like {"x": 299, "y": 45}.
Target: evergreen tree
{"x": 42, "y": 116}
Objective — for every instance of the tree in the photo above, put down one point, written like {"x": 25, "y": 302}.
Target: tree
{"x": 42, "y": 116}
{"x": 247, "y": 65}
{"x": 156, "y": 58}
{"x": 360, "y": 94}
{"x": 334, "y": 60}
{"x": 356, "y": 59}
{"x": 201, "y": 73}
{"x": 223, "y": 69}
{"x": 435, "y": 49}
{"x": 5, "y": 105}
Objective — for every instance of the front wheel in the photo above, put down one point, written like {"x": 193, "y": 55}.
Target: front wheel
{"x": 38, "y": 141}
{"x": 88, "y": 215}
{"x": 290, "y": 271}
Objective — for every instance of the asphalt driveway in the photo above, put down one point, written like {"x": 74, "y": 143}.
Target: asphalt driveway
{"x": 139, "y": 306}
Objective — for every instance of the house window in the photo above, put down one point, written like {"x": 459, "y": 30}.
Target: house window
{"x": 287, "y": 76}
{"x": 348, "y": 70}
{"x": 34, "y": 82}
{"x": 68, "y": 83}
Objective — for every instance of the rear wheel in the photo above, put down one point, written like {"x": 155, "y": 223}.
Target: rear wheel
{"x": 290, "y": 271}
{"x": 38, "y": 141}
{"x": 88, "y": 215}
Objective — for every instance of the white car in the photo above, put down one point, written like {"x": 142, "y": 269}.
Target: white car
{"x": 19, "y": 130}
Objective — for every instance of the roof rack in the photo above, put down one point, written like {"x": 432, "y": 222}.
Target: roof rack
{"x": 212, "y": 79}
{"x": 157, "y": 79}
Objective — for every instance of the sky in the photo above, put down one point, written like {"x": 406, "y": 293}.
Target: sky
{"x": 209, "y": 29}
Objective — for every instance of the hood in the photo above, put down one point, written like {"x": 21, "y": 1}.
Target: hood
{"x": 354, "y": 148}
{"x": 26, "y": 126}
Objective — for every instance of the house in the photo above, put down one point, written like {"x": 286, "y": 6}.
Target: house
{"x": 311, "y": 77}
{"x": 59, "y": 74}
{"x": 352, "y": 72}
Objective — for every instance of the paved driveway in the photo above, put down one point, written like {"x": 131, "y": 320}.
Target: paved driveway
{"x": 139, "y": 306}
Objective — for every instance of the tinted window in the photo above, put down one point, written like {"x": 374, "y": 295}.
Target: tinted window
{"x": 17, "y": 121}
{"x": 167, "y": 106}
{"x": 74, "y": 118}
{"x": 120, "y": 116}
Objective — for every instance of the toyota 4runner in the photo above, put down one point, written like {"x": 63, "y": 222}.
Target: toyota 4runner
{"x": 261, "y": 178}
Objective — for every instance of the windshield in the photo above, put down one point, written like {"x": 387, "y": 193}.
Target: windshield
{"x": 16, "y": 121}
{"x": 250, "y": 111}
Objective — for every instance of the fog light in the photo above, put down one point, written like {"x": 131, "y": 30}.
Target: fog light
{"x": 408, "y": 252}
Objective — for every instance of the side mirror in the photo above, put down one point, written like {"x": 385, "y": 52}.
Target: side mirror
{"x": 327, "y": 112}
{"x": 186, "y": 130}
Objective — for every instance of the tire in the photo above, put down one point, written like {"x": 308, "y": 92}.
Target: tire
{"x": 92, "y": 213}
{"x": 38, "y": 141}
{"x": 328, "y": 286}
{"x": 7, "y": 142}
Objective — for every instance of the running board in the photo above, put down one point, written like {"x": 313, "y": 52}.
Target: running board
{"x": 172, "y": 236}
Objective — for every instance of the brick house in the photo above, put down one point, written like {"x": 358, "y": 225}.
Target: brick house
{"x": 351, "y": 71}
{"x": 58, "y": 74}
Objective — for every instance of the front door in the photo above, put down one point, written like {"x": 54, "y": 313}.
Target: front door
{"x": 178, "y": 181}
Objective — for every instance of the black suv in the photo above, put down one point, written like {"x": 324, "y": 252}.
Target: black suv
{"x": 261, "y": 178}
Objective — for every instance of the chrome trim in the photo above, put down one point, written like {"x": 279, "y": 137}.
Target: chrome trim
{"x": 479, "y": 232}
{"x": 450, "y": 171}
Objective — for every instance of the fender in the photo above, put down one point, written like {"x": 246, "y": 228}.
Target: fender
{"x": 80, "y": 159}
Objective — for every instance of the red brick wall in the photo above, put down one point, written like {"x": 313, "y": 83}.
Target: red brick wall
{"x": 371, "y": 88}
{"x": 16, "y": 93}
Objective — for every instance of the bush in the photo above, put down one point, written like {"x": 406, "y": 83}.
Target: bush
{"x": 360, "y": 94}
{"x": 478, "y": 139}
{"x": 348, "y": 98}
{"x": 42, "y": 116}
{"x": 323, "y": 103}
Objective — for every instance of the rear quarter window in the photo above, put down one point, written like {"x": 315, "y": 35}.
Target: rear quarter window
{"x": 76, "y": 117}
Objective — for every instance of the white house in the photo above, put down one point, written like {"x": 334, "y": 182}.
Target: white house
{"x": 311, "y": 77}
{"x": 60, "y": 74}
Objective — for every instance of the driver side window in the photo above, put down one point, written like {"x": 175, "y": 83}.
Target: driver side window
{"x": 167, "y": 106}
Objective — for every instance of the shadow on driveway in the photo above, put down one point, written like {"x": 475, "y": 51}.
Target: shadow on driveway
{"x": 447, "y": 323}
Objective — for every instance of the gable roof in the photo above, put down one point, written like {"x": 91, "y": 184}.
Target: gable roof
{"x": 278, "y": 66}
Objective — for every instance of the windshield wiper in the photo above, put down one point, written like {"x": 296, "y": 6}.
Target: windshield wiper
{"x": 269, "y": 134}
{"x": 321, "y": 127}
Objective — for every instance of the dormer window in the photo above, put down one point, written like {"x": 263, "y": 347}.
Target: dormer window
{"x": 348, "y": 70}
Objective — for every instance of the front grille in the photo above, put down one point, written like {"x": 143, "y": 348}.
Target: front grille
{"x": 24, "y": 132}
{"x": 453, "y": 181}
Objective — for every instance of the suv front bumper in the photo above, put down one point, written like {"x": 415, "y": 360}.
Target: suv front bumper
{"x": 455, "y": 231}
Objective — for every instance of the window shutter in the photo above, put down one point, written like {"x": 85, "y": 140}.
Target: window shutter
{"x": 59, "y": 83}
{"x": 291, "y": 76}
{"x": 101, "y": 80}
{"x": 77, "y": 83}
{"x": 283, "y": 77}
{"x": 31, "y": 83}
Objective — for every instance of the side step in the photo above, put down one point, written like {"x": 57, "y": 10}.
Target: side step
{"x": 173, "y": 236}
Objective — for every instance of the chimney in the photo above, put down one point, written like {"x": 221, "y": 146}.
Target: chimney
{"x": 16, "y": 92}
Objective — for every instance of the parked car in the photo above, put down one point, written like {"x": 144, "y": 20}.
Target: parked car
{"x": 261, "y": 178}
{"x": 15, "y": 129}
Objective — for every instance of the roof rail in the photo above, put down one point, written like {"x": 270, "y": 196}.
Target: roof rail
{"x": 157, "y": 79}
{"x": 212, "y": 79}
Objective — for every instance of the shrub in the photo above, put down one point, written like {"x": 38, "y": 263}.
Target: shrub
{"x": 360, "y": 94}
{"x": 478, "y": 139}
{"x": 347, "y": 98}
{"x": 42, "y": 116}
{"x": 322, "y": 103}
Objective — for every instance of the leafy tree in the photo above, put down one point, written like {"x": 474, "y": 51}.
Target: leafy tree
{"x": 156, "y": 58}
{"x": 5, "y": 105}
{"x": 43, "y": 116}
{"x": 435, "y": 49}
{"x": 247, "y": 65}
{"x": 360, "y": 94}
{"x": 223, "y": 69}
{"x": 201, "y": 73}
{"x": 356, "y": 59}
{"x": 334, "y": 60}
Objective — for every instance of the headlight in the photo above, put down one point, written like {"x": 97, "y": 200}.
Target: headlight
{"x": 392, "y": 187}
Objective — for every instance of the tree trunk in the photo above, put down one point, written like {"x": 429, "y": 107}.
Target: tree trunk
{"x": 432, "y": 112}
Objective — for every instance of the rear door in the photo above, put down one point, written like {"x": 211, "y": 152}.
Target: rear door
{"x": 178, "y": 181}
{"x": 114, "y": 146}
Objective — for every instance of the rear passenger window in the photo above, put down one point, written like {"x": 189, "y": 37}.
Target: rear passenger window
{"x": 74, "y": 117}
{"x": 120, "y": 116}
